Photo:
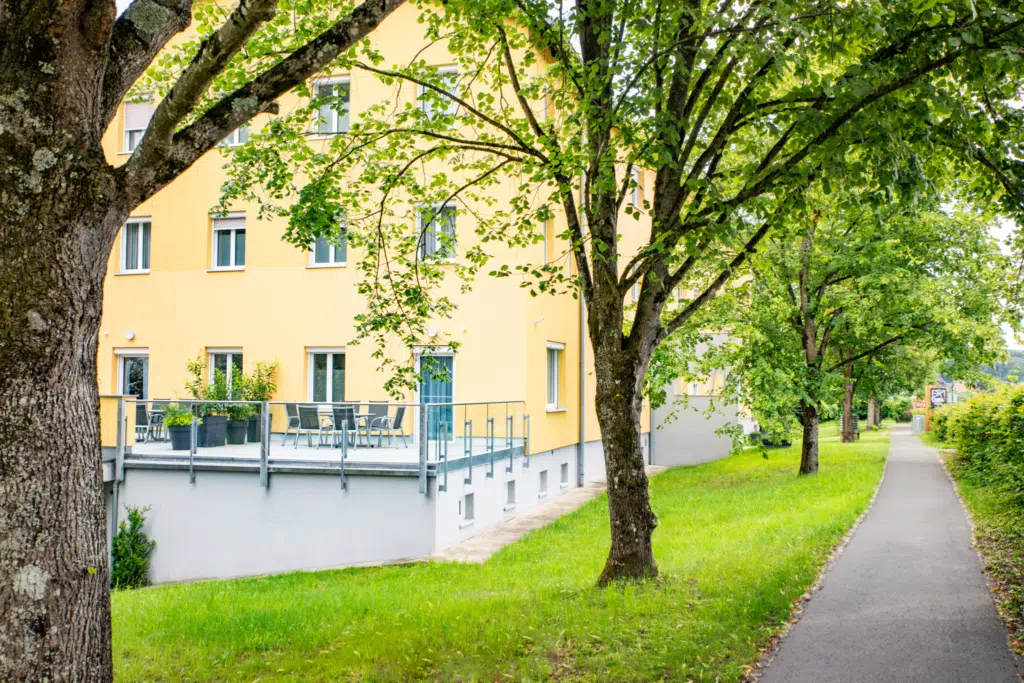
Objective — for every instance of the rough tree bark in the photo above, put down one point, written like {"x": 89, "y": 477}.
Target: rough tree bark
{"x": 64, "y": 67}
{"x": 872, "y": 411}
{"x": 849, "y": 389}
{"x": 809, "y": 447}
{"x": 619, "y": 384}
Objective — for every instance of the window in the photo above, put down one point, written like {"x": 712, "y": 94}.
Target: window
{"x": 229, "y": 363}
{"x": 330, "y": 251}
{"x": 437, "y": 233}
{"x": 229, "y": 242}
{"x": 510, "y": 490}
{"x": 327, "y": 376}
{"x": 635, "y": 291}
{"x": 555, "y": 351}
{"x": 332, "y": 100}
{"x": 542, "y": 488}
{"x": 634, "y": 197}
{"x": 468, "y": 508}
{"x": 565, "y": 475}
{"x": 136, "y": 120}
{"x": 433, "y": 103}
{"x": 135, "y": 246}
{"x": 239, "y": 136}
{"x": 133, "y": 371}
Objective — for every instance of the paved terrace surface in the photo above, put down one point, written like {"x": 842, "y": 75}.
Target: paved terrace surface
{"x": 485, "y": 544}
{"x": 906, "y": 600}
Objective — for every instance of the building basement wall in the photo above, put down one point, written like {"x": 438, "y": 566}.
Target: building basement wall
{"x": 689, "y": 438}
{"x": 225, "y": 525}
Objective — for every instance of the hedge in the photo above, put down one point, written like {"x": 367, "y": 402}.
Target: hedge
{"x": 987, "y": 431}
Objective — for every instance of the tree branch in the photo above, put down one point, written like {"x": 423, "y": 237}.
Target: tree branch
{"x": 138, "y": 35}
{"x": 214, "y": 54}
{"x": 258, "y": 95}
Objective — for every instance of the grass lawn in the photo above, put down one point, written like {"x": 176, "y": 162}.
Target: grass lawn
{"x": 739, "y": 541}
{"x": 932, "y": 439}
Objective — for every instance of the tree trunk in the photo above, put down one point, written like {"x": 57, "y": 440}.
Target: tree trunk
{"x": 629, "y": 506}
{"x": 849, "y": 432}
{"x": 58, "y": 220}
{"x": 872, "y": 411}
{"x": 54, "y": 574}
{"x": 809, "y": 447}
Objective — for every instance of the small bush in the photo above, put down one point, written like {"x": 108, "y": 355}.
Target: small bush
{"x": 898, "y": 409}
{"x": 987, "y": 431}
{"x": 132, "y": 549}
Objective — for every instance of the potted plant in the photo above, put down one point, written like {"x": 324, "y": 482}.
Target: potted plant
{"x": 259, "y": 386}
{"x": 214, "y": 413}
{"x": 238, "y": 413}
{"x": 213, "y": 431}
{"x": 178, "y": 421}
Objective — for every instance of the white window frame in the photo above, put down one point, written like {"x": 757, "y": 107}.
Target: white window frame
{"x": 122, "y": 354}
{"x": 129, "y": 148}
{"x": 333, "y": 80}
{"x": 635, "y": 291}
{"x": 130, "y": 144}
{"x": 230, "y": 352}
{"x": 634, "y": 197}
{"x": 442, "y": 71}
{"x": 421, "y": 227}
{"x": 231, "y": 140}
{"x": 234, "y": 241}
{"x": 124, "y": 246}
{"x": 557, "y": 351}
{"x": 332, "y": 254}
{"x": 542, "y": 484}
{"x": 331, "y": 353}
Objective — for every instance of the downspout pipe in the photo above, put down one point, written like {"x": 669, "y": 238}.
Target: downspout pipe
{"x": 581, "y": 444}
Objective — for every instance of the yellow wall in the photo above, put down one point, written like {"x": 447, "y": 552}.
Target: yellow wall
{"x": 278, "y": 306}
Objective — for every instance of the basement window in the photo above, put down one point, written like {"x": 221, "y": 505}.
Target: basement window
{"x": 468, "y": 508}
{"x": 542, "y": 489}
{"x": 565, "y": 475}
{"x": 510, "y": 494}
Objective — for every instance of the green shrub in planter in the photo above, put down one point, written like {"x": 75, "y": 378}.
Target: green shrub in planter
{"x": 178, "y": 421}
{"x": 131, "y": 550}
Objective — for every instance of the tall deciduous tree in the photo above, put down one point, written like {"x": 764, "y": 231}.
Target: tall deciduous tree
{"x": 733, "y": 107}
{"x": 65, "y": 67}
{"x": 842, "y": 286}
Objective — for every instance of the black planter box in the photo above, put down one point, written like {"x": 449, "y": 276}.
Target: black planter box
{"x": 253, "y": 431}
{"x": 236, "y": 431}
{"x": 214, "y": 431}
{"x": 181, "y": 437}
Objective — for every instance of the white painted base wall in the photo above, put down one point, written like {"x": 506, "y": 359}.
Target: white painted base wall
{"x": 225, "y": 525}
{"x": 689, "y": 437}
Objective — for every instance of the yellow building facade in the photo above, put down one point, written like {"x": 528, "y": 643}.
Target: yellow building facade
{"x": 182, "y": 282}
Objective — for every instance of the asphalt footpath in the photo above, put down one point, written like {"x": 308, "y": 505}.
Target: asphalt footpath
{"x": 907, "y": 599}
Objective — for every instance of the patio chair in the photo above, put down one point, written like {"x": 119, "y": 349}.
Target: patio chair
{"x": 141, "y": 422}
{"x": 292, "y": 410}
{"x": 310, "y": 422}
{"x": 347, "y": 424}
{"x": 389, "y": 426}
{"x": 378, "y": 417}
{"x": 156, "y": 420}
